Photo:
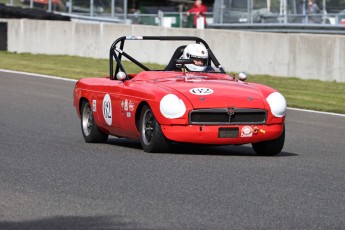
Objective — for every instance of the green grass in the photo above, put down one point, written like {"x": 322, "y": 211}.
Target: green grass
{"x": 62, "y": 66}
{"x": 306, "y": 94}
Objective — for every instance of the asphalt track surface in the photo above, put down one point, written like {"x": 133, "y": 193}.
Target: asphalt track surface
{"x": 51, "y": 179}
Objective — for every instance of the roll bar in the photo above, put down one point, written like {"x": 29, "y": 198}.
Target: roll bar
{"x": 121, "y": 40}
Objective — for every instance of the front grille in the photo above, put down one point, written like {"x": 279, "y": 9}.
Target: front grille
{"x": 200, "y": 117}
{"x": 227, "y": 116}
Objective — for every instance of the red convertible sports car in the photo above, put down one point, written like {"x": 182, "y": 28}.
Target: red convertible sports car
{"x": 192, "y": 100}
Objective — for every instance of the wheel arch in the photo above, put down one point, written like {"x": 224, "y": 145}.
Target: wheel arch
{"x": 81, "y": 100}
{"x": 138, "y": 113}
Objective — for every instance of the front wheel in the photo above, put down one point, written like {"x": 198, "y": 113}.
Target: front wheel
{"x": 151, "y": 137}
{"x": 91, "y": 133}
{"x": 271, "y": 147}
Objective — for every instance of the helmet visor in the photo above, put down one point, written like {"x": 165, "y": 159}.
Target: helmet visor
{"x": 199, "y": 61}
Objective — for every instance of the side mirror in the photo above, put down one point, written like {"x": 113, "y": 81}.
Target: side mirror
{"x": 121, "y": 76}
{"x": 242, "y": 76}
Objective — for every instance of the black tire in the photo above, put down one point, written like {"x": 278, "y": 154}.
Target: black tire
{"x": 271, "y": 147}
{"x": 151, "y": 137}
{"x": 91, "y": 133}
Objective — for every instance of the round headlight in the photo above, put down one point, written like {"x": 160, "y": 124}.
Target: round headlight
{"x": 277, "y": 104}
{"x": 172, "y": 107}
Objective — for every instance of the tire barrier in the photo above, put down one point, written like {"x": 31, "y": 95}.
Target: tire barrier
{"x": 30, "y": 13}
{"x": 3, "y": 36}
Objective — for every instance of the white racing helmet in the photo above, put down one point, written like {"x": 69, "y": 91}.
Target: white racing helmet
{"x": 196, "y": 52}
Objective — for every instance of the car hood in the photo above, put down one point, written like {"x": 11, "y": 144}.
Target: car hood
{"x": 217, "y": 93}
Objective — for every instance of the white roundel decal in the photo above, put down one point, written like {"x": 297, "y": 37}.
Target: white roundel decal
{"x": 247, "y": 131}
{"x": 201, "y": 91}
{"x": 106, "y": 107}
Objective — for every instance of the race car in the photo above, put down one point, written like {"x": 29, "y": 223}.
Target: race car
{"x": 190, "y": 100}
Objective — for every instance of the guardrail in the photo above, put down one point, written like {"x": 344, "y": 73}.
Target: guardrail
{"x": 165, "y": 19}
{"x": 284, "y": 28}
{"x": 95, "y": 18}
{"x": 294, "y": 23}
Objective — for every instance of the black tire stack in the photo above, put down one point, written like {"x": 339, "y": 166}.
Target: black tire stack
{"x": 3, "y": 36}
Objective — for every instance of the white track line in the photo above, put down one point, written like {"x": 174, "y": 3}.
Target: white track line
{"x": 73, "y": 80}
{"x": 319, "y": 112}
{"x": 38, "y": 75}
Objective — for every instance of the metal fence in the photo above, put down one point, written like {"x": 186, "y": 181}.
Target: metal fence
{"x": 117, "y": 12}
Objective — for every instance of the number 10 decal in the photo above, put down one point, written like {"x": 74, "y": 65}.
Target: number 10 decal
{"x": 107, "y": 111}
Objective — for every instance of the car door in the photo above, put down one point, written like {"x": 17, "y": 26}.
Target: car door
{"x": 130, "y": 100}
{"x": 107, "y": 105}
